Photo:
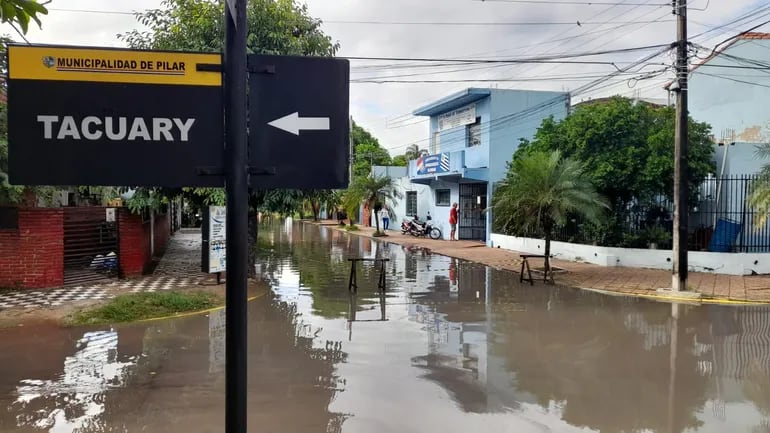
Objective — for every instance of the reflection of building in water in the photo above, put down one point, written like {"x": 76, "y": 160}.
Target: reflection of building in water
{"x": 76, "y": 401}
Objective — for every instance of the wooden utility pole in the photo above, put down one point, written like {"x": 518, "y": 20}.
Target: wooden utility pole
{"x": 679, "y": 278}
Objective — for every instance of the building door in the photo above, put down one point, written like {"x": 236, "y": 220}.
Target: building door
{"x": 90, "y": 244}
{"x": 473, "y": 220}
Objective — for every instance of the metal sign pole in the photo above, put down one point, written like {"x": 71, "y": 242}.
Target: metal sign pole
{"x": 237, "y": 192}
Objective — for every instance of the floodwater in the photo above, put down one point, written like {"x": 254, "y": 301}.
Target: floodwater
{"x": 451, "y": 347}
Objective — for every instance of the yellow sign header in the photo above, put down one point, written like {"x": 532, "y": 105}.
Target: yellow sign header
{"x": 54, "y": 63}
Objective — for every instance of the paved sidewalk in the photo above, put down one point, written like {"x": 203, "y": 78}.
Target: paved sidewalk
{"x": 178, "y": 269}
{"x": 632, "y": 281}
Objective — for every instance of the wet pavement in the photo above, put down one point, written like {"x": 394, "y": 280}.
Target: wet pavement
{"x": 452, "y": 346}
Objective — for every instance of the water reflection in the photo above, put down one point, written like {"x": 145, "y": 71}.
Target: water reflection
{"x": 75, "y": 401}
{"x": 566, "y": 358}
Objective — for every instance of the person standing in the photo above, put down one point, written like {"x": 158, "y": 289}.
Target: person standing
{"x": 453, "y": 221}
{"x": 385, "y": 215}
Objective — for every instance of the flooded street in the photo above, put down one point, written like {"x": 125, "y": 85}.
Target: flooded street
{"x": 451, "y": 346}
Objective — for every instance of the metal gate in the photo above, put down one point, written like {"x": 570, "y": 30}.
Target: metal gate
{"x": 473, "y": 220}
{"x": 90, "y": 244}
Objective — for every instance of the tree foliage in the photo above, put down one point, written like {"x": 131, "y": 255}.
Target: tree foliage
{"x": 21, "y": 12}
{"x": 275, "y": 27}
{"x": 627, "y": 148}
{"x": 759, "y": 197}
{"x": 540, "y": 191}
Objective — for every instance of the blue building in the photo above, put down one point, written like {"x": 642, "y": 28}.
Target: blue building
{"x": 473, "y": 135}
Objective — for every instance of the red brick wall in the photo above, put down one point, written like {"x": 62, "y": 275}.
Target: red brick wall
{"x": 135, "y": 258}
{"x": 33, "y": 255}
{"x": 134, "y": 243}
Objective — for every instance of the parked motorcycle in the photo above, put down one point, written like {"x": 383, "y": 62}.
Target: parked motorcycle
{"x": 419, "y": 228}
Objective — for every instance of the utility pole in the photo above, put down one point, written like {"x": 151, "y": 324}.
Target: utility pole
{"x": 237, "y": 193}
{"x": 679, "y": 277}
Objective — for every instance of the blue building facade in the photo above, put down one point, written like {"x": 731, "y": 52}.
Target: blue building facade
{"x": 473, "y": 135}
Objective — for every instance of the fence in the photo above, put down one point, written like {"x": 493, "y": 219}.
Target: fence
{"x": 722, "y": 221}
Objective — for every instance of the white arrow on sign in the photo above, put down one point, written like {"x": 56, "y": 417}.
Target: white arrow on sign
{"x": 294, "y": 123}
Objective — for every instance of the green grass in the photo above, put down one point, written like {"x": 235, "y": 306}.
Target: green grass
{"x": 140, "y": 306}
{"x": 352, "y": 228}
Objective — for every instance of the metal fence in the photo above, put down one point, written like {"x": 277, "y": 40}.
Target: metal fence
{"x": 721, "y": 221}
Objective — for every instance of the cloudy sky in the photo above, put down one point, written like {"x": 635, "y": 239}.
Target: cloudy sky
{"x": 462, "y": 29}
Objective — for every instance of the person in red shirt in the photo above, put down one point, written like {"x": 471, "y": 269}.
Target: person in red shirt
{"x": 453, "y": 221}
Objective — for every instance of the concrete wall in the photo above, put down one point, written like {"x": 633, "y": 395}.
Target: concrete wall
{"x": 741, "y": 159}
{"x": 718, "y": 97}
{"x": 719, "y": 263}
{"x": 32, "y": 256}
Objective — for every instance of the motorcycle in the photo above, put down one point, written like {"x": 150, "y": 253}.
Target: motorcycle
{"x": 419, "y": 228}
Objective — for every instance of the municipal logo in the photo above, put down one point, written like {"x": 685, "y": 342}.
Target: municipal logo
{"x": 49, "y": 61}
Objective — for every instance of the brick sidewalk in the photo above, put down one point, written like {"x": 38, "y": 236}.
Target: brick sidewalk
{"x": 634, "y": 281}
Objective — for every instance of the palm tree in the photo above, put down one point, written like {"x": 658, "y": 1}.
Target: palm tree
{"x": 759, "y": 197}
{"x": 412, "y": 152}
{"x": 372, "y": 190}
{"x": 540, "y": 191}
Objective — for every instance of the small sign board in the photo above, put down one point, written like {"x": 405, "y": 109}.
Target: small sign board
{"x": 300, "y": 128}
{"x": 214, "y": 240}
{"x": 460, "y": 117}
{"x": 110, "y": 215}
{"x": 88, "y": 116}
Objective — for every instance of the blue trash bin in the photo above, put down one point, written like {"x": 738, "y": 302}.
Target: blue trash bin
{"x": 725, "y": 234}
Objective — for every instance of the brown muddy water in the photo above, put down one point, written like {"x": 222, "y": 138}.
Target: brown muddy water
{"x": 451, "y": 347}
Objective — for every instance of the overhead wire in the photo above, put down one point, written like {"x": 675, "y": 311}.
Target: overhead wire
{"x": 556, "y": 38}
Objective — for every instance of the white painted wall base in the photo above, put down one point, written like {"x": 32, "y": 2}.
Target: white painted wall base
{"x": 699, "y": 261}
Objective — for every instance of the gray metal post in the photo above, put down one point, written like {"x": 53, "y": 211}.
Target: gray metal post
{"x": 237, "y": 192}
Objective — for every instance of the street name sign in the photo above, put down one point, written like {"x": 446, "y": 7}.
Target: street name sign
{"x": 92, "y": 116}
{"x": 299, "y": 126}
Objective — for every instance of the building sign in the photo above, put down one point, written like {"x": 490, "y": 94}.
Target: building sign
{"x": 86, "y": 116}
{"x": 433, "y": 164}
{"x": 460, "y": 117}
{"x": 299, "y": 131}
{"x": 216, "y": 238}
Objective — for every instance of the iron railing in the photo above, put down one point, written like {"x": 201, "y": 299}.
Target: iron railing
{"x": 722, "y": 221}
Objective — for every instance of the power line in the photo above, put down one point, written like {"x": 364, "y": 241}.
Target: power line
{"x": 574, "y": 2}
{"x": 399, "y": 23}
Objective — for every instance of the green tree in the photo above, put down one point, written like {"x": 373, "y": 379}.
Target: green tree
{"x": 368, "y": 155}
{"x": 274, "y": 27}
{"x": 627, "y": 148}
{"x": 21, "y": 12}
{"x": 372, "y": 190}
{"x": 400, "y": 161}
{"x": 759, "y": 197}
{"x": 540, "y": 190}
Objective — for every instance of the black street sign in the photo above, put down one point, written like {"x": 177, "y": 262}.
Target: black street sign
{"x": 86, "y": 116}
{"x": 300, "y": 129}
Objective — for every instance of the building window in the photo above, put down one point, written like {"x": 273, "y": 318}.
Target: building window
{"x": 443, "y": 197}
{"x": 474, "y": 133}
{"x": 434, "y": 145}
{"x": 411, "y": 203}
